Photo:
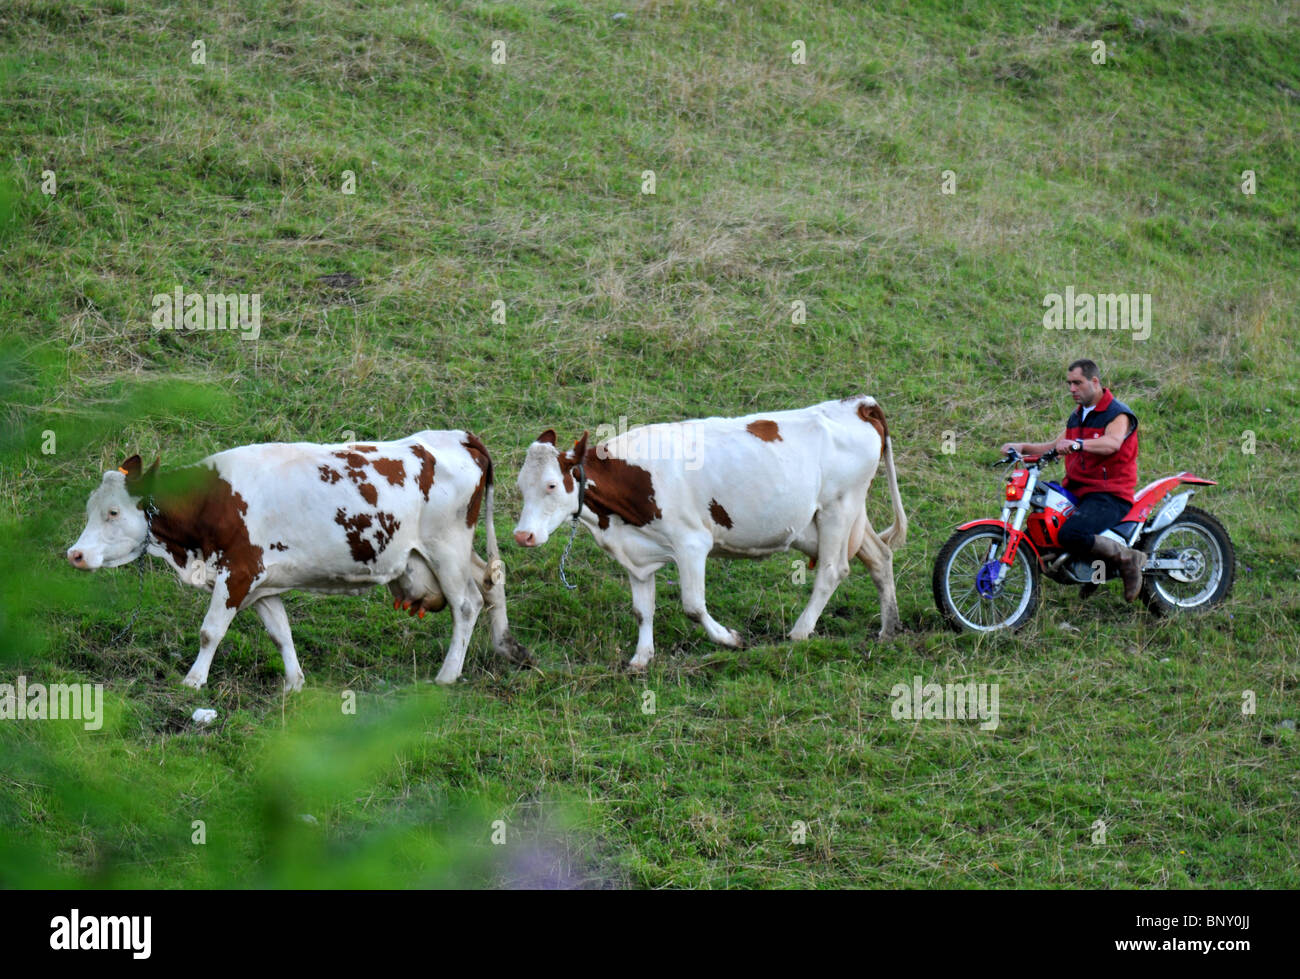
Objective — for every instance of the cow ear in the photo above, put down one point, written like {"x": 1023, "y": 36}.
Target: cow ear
{"x": 547, "y": 437}
{"x": 131, "y": 468}
{"x": 580, "y": 448}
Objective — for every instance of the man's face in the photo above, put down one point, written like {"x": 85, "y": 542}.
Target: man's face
{"x": 1085, "y": 391}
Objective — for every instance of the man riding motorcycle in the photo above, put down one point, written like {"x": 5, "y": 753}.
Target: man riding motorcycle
{"x": 1100, "y": 448}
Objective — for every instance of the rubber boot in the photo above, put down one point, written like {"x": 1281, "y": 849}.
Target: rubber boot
{"x": 1126, "y": 559}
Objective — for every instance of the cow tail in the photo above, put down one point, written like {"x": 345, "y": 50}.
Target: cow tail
{"x": 895, "y": 535}
{"x": 495, "y": 568}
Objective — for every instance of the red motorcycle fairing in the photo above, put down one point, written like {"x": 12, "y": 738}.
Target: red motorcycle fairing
{"x": 1014, "y": 536}
{"x": 1043, "y": 529}
{"x": 1151, "y": 494}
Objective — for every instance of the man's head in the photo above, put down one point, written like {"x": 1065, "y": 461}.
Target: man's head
{"x": 1085, "y": 382}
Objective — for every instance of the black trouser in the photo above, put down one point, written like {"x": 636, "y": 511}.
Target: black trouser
{"x": 1096, "y": 512}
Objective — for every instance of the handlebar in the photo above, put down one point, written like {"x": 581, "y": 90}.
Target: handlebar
{"x": 1051, "y": 455}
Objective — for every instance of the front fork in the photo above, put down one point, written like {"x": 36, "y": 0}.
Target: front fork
{"x": 1013, "y": 518}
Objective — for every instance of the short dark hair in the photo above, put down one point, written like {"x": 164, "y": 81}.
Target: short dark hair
{"x": 1088, "y": 367}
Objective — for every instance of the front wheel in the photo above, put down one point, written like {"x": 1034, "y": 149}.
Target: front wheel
{"x": 1200, "y": 545}
{"x": 966, "y": 589}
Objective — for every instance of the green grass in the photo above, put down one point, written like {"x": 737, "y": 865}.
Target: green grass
{"x": 775, "y": 182}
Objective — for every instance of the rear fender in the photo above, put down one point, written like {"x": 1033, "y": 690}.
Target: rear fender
{"x": 1149, "y": 496}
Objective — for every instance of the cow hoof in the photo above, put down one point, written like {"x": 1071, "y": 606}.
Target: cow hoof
{"x": 293, "y": 684}
{"x": 734, "y": 639}
{"x": 515, "y": 653}
{"x": 192, "y": 682}
{"x": 799, "y": 635}
{"x": 639, "y": 663}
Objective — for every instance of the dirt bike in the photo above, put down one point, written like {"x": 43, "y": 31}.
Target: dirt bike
{"x": 988, "y": 576}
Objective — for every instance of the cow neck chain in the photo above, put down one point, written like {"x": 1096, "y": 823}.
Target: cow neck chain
{"x": 573, "y": 530}
{"x": 150, "y": 511}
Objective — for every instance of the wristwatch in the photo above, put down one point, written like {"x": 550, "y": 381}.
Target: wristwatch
{"x": 1078, "y": 445}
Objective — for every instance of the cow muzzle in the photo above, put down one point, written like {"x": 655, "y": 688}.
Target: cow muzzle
{"x": 77, "y": 558}
{"x": 525, "y": 538}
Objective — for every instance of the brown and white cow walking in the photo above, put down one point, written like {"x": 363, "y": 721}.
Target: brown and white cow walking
{"x": 757, "y": 485}
{"x": 251, "y": 523}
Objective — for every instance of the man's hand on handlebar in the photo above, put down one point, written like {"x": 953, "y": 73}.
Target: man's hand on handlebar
{"x": 1065, "y": 446}
{"x": 1011, "y": 453}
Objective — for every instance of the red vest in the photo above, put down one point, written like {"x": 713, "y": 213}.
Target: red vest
{"x": 1086, "y": 472}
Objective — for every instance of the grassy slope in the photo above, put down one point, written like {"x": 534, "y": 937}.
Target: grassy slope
{"x": 775, "y": 183}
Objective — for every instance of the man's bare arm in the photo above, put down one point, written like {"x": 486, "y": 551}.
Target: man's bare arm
{"x": 1034, "y": 448}
{"x": 1102, "y": 445}
{"x": 1116, "y": 432}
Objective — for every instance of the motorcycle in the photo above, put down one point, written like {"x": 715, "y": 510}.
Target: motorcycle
{"x": 988, "y": 576}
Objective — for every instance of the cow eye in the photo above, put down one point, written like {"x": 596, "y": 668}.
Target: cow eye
{"x": 550, "y": 487}
{"x": 113, "y": 512}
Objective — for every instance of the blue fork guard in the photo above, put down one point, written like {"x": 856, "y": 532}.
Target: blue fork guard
{"x": 986, "y": 582}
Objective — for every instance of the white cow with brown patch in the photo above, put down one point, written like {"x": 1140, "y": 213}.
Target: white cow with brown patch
{"x": 251, "y": 523}
{"x": 757, "y": 485}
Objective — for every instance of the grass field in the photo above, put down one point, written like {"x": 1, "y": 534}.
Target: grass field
{"x": 775, "y": 183}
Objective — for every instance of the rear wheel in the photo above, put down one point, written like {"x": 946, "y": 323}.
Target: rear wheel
{"x": 1202, "y": 544}
{"x": 965, "y": 591}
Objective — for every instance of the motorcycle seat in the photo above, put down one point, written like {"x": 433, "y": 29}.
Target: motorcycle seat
{"x": 1125, "y": 529}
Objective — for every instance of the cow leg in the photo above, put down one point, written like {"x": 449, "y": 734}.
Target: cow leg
{"x": 271, "y": 612}
{"x": 213, "y": 630}
{"x": 835, "y": 526}
{"x": 464, "y": 613}
{"x": 691, "y": 559}
{"x": 879, "y": 559}
{"x": 454, "y": 572}
{"x": 643, "y": 606}
{"x": 492, "y": 583}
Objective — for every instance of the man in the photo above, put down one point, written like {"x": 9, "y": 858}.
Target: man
{"x": 1100, "y": 447}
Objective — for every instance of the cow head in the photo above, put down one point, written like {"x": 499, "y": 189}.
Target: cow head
{"x": 115, "y": 526}
{"x": 549, "y": 488}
